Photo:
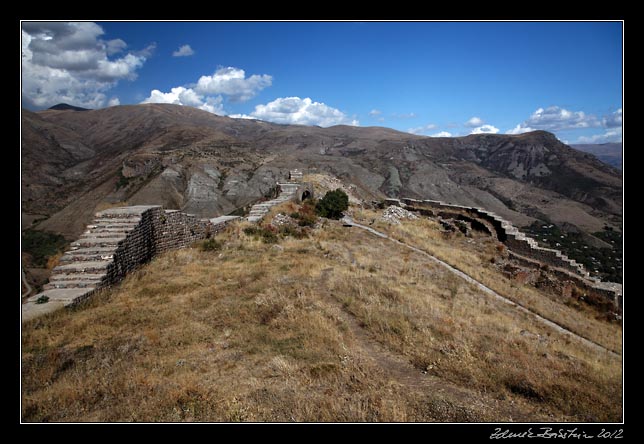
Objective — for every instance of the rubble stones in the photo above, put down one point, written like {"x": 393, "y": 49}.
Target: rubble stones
{"x": 393, "y": 214}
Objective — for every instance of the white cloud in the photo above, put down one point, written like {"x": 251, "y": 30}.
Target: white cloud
{"x": 183, "y": 51}
{"x": 474, "y": 122}
{"x": 187, "y": 97}
{"x": 241, "y": 116}
{"x": 555, "y": 118}
{"x": 69, "y": 62}
{"x": 375, "y": 112}
{"x": 519, "y": 129}
{"x": 208, "y": 93}
{"x": 442, "y": 134}
{"x": 297, "y": 111}
{"x": 485, "y": 129}
{"x": 613, "y": 120}
{"x": 233, "y": 83}
{"x": 611, "y": 135}
{"x": 422, "y": 130}
{"x": 114, "y": 101}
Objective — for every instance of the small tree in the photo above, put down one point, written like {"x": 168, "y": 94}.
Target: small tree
{"x": 333, "y": 204}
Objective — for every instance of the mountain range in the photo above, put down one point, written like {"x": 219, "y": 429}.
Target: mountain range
{"x": 74, "y": 163}
{"x": 610, "y": 153}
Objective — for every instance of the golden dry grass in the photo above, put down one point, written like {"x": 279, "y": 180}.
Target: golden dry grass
{"x": 340, "y": 326}
{"x": 474, "y": 257}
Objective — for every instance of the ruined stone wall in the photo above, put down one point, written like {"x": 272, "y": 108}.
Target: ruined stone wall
{"x": 522, "y": 245}
{"x": 137, "y": 248}
{"x": 173, "y": 229}
{"x": 504, "y": 231}
{"x": 118, "y": 241}
{"x": 590, "y": 290}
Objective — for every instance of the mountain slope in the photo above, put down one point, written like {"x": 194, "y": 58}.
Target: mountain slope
{"x": 609, "y": 153}
{"x": 189, "y": 159}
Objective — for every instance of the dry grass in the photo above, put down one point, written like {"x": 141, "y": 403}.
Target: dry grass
{"x": 340, "y": 326}
{"x": 475, "y": 257}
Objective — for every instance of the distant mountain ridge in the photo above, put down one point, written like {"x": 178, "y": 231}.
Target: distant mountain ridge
{"x": 205, "y": 164}
{"x": 609, "y": 153}
{"x": 67, "y": 107}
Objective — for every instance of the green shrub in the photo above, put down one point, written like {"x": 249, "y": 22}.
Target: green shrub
{"x": 123, "y": 181}
{"x": 333, "y": 204}
{"x": 211, "y": 244}
{"x": 267, "y": 234}
{"x": 41, "y": 245}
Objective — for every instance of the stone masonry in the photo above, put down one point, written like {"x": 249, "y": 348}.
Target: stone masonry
{"x": 520, "y": 245}
{"x": 294, "y": 189}
{"x": 115, "y": 243}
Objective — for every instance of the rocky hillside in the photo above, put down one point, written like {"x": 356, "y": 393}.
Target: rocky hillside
{"x": 74, "y": 163}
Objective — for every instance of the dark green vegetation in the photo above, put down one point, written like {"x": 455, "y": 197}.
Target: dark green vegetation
{"x": 123, "y": 181}
{"x": 210, "y": 244}
{"x": 41, "y": 245}
{"x": 333, "y": 204}
{"x": 605, "y": 263}
{"x": 272, "y": 235}
{"x": 268, "y": 235}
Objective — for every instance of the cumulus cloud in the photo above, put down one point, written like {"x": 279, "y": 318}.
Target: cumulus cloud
{"x": 442, "y": 134}
{"x": 209, "y": 92}
{"x": 114, "y": 101}
{"x": 474, "y": 122}
{"x": 187, "y": 96}
{"x": 520, "y": 129}
{"x": 297, "y": 111}
{"x": 70, "y": 62}
{"x": 422, "y": 130}
{"x": 233, "y": 83}
{"x": 375, "y": 112}
{"x": 555, "y": 118}
{"x": 613, "y": 120}
{"x": 485, "y": 129}
{"x": 183, "y": 51}
{"x": 611, "y": 135}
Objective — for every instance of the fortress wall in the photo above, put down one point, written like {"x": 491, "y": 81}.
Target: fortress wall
{"x": 522, "y": 245}
{"x": 136, "y": 249}
{"x": 118, "y": 241}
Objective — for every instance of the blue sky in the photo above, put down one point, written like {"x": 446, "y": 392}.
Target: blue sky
{"x": 430, "y": 78}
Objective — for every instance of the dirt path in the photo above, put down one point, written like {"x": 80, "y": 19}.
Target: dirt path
{"x": 487, "y": 290}
{"x": 451, "y": 400}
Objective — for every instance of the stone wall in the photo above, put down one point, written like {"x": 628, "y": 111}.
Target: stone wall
{"x": 174, "y": 229}
{"x": 520, "y": 244}
{"x": 118, "y": 241}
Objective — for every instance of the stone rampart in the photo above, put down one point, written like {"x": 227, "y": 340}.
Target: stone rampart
{"x": 118, "y": 241}
{"x": 519, "y": 243}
